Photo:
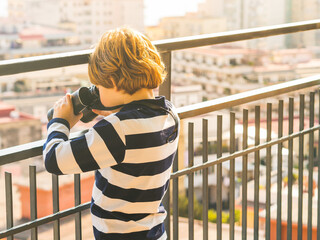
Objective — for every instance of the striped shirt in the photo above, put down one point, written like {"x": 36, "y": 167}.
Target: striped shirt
{"x": 132, "y": 157}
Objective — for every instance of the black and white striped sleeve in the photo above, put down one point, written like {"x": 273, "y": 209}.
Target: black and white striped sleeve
{"x": 102, "y": 146}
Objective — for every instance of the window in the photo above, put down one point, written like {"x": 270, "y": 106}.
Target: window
{"x": 233, "y": 62}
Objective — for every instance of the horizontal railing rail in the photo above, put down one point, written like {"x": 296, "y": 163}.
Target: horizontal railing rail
{"x": 8, "y": 67}
{"x": 238, "y": 154}
{"x": 247, "y": 97}
{"x": 44, "y": 220}
{"x": 33, "y": 149}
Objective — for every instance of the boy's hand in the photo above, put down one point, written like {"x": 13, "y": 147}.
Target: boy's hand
{"x": 101, "y": 112}
{"x": 63, "y": 108}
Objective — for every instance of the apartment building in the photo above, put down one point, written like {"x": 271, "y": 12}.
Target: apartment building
{"x": 17, "y": 127}
{"x": 220, "y": 71}
{"x": 228, "y": 70}
{"x": 19, "y": 39}
{"x": 88, "y": 18}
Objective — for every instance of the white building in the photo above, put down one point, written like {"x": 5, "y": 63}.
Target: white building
{"x": 88, "y": 18}
{"x": 92, "y": 18}
{"x": 186, "y": 95}
{"x": 228, "y": 70}
{"x": 220, "y": 71}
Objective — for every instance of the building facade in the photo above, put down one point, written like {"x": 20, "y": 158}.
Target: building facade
{"x": 16, "y": 127}
{"x": 19, "y": 39}
{"x": 88, "y": 18}
{"x": 188, "y": 25}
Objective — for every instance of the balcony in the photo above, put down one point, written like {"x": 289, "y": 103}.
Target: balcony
{"x": 280, "y": 207}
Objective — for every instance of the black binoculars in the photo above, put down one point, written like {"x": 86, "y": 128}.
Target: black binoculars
{"x": 84, "y": 100}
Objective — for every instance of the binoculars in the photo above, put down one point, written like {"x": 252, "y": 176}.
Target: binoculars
{"x": 83, "y": 100}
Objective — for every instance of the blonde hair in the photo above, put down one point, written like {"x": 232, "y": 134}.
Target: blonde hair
{"x": 126, "y": 59}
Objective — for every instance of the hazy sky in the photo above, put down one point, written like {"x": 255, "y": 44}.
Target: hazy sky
{"x": 154, "y": 9}
{"x": 3, "y": 7}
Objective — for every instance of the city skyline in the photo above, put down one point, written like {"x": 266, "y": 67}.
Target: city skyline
{"x": 153, "y": 10}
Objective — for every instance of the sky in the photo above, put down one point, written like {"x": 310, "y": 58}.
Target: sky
{"x": 154, "y": 9}
{"x": 3, "y": 4}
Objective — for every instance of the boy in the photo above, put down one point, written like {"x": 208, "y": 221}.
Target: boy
{"x": 131, "y": 149}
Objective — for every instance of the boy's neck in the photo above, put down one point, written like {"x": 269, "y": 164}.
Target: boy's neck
{"x": 139, "y": 95}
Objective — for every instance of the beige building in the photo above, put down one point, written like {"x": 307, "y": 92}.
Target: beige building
{"x": 302, "y": 10}
{"x": 188, "y": 25}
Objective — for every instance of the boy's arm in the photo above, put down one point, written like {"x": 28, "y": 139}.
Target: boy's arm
{"x": 102, "y": 146}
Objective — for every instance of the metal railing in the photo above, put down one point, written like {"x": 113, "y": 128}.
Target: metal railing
{"x": 166, "y": 47}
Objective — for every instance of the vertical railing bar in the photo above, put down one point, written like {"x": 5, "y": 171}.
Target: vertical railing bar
{"x": 167, "y": 206}
{"x": 175, "y": 200}
{"x": 318, "y": 212}
{"x": 77, "y": 201}
{"x": 256, "y": 174}
{"x": 219, "y": 178}
{"x": 268, "y": 173}
{"x": 290, "y": 167}
{"x": 33, "y": 199}
{"x": 55, "y": 201}
{"x": 310, "y": 172}
{"x": 300, "y": 180}
{"x": 165, "y": 90}
{"x": 205, "y": 187}
{"x": 9, "y": 202}
{"x": 232, "y": 176}
{"x": 244, "y": 174}
{"x": 279, "y": 169}
{"x": 190, "y": 181}
{"x": 165, "y": 87}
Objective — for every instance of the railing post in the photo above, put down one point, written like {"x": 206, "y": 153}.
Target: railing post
{"x": 290, "y": 167}
{"x": 318, "y": 212}
{"x": 279, "y": 169}
{"x": 9, "y": 205}
{"x": 310, "y": 168}
{"x": 175, "y": 200}
{"x": 191, "y": 181}
{"x": 165, "y": 87}
{"x": 205, "y": 187}
{"x": 256, "y": 173}
{"x": 165, "y": 90}
{"x": 77, "y": 201}
{"x": 55, "y": 200}
{"x": 33, "y": 199}
{"x": 244, "y": 174}
{"x": 232, "y": 176}
{"x": 301, "y": 143}
{"x": 268, "y": 173}
{"x": 219, "y": 178}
